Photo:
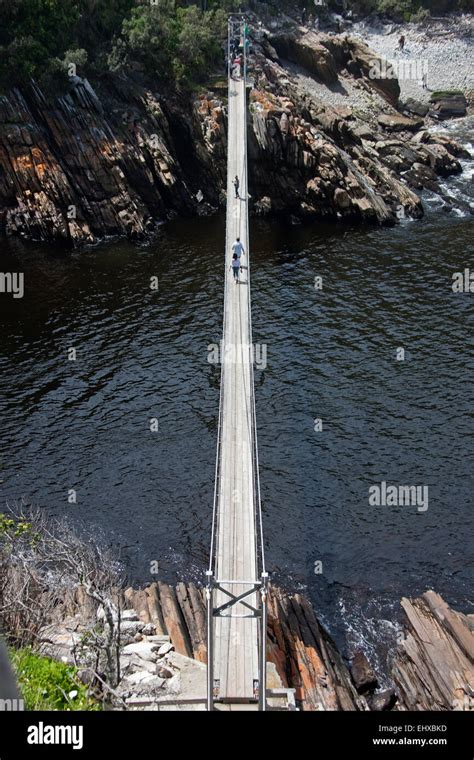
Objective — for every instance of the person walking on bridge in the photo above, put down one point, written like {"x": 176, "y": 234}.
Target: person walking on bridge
{"x": 237, "y": 248}
{"x": 235, "y": 266}
{"x": 236, "y": 184}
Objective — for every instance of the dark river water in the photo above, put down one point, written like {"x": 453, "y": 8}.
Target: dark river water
{"x": 331, "y": 354}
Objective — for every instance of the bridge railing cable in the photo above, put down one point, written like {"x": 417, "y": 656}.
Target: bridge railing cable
{"x": 258, "y": 501}
{"x": 215, "y": 517}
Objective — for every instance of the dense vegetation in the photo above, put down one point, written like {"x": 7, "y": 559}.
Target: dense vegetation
{"x": 46, "y": 39}
{"x": 49, "y": 685}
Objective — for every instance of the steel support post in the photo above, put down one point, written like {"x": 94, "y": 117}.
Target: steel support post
{"x": 210, "y": 640}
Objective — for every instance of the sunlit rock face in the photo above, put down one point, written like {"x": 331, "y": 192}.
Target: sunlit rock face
{"x": 325, "y": 140}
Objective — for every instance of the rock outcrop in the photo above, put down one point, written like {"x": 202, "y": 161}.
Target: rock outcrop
{"x": 326, "y": 56}
{"x": 163, "y": 652}
{"x": 79, "y": 167}
{"x": 433, "y": 668}
{"x": 311, "y": 156}
{"x": 121, "y": 158}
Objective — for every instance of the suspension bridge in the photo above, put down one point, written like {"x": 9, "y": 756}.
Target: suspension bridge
{"x": 237, "y": 580}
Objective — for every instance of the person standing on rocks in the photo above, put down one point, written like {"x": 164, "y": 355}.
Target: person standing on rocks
{"x": 303, "y": 17}
{"x": 235, "y": 266}
{"x": 236, "y": 184}
{"x": 401, "y": 43}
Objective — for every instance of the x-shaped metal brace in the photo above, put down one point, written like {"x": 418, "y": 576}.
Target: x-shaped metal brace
{"x": 237, "y": 599}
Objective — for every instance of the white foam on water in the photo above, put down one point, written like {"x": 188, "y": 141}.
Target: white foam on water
{"x": 376, "y": 635}
{"x": 459, "y": 212}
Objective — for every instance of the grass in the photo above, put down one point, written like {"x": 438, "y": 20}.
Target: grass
{"x": 46, "y": 684}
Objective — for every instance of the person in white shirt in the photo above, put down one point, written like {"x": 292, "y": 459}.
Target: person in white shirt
{"x": 238, "y": 248}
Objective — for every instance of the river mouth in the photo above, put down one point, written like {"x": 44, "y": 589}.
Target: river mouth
{"x": 330, "y": 355}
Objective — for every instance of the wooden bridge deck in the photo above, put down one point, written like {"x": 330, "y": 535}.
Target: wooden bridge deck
{"x": 236, "y": 637}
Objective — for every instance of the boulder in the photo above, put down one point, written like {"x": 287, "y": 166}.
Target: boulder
{"x": 441, "y": 161}
{"x": 383, "y": 700}
{"x": 452, "y": 146}
{"x": 444, "y": 105}
{"x": 341, "y": 198}
{"x": 142, "y": 682}
{"x": 420, "y": 176}
{"x": 129, "y": 616}
{"x": 130, "y": 627}
{"x": 364, "y": 133}
{"x": 134, "y": 663}
{"x": 421, "y": 137}
{"x": 363, "y": 676}
{"x": 163, "y": 672}
{"x": 416, "y": 107}
{"x": 307, "y": 51}
{"x": 378, "y": 73}
{"x": 399, "y": 123}
{"x": 144, "y": 649}
{"x": 165, "y": 648}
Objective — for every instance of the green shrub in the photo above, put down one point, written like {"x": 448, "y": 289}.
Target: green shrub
{"x": 439, "y": 94}
{"x": 398, "y": 9}
{"x": 422, "y": 14}
{"x": 169, "y": 43}
{"x": 49, "y": 685}
{"x": 21, "y": 59}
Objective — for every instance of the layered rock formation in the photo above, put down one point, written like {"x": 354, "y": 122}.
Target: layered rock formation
{"x": 79, "y": 167}
{"x": 119, "y": 159}
{"x": 433, "y": 668}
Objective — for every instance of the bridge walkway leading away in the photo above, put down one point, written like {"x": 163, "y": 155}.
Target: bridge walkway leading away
{"x": 236, "y": 576}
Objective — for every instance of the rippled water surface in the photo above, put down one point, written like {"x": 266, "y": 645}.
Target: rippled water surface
{"x": 331, "y": 355}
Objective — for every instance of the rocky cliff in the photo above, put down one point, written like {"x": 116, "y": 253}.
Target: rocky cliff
{"x": 325, "y": 140}
{"x": 83, "y": 166}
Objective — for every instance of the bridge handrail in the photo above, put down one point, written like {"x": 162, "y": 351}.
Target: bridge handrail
{"x": 215, "y": 512}
{"x": 258, "y": 503}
